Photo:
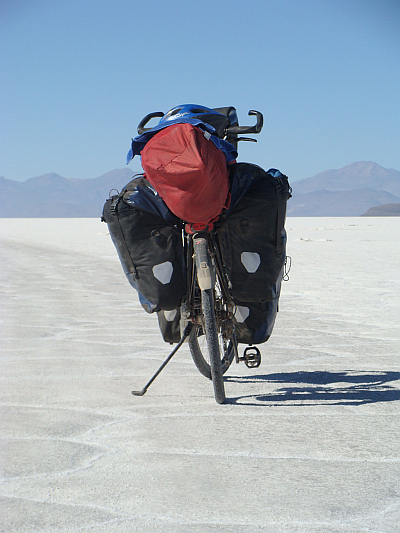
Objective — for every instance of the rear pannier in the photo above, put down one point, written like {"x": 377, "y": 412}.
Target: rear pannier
{"x": 148, "y": 239}
{"x": 169, "y": 324}
{"x": 254, "y": 321}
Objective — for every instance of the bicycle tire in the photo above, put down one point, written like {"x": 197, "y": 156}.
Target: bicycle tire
{"x": 225, "y": 330}
{"x": 210, "y": 326}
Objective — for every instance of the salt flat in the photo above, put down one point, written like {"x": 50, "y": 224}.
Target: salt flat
{"x": 308, "y": 443}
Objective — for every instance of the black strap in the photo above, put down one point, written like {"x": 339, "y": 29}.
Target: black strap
{"x": 117, "y": 227}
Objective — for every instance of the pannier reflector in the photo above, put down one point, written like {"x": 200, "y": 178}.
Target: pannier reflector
{"x": 163, "y": 272}
{"x": 241, "y": 313}
{"x": 170, "y": 315}
{"x": 251, "y": 261}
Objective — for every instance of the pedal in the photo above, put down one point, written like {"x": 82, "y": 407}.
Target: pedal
{"x": 251, "y": 357}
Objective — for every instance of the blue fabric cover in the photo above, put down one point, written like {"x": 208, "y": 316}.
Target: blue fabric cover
{"x": 242, "y": 182}
{"x": 139, "y": 142}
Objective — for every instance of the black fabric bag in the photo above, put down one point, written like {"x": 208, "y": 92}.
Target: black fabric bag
{"x": 148, "y": 240}
{"x": 252, "y": 238}
{"x": 169, "y": 324}
{"x": 252, "y": 234}
{"x": 254, "y": 321}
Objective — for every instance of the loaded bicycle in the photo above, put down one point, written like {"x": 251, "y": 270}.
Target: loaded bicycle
{"x": 211, "y": 314}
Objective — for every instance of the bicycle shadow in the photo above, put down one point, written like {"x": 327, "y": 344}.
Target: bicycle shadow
{"x": 348, "y": 387}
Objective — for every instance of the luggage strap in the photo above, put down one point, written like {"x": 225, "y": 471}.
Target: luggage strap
{"x": 113, "y": 208}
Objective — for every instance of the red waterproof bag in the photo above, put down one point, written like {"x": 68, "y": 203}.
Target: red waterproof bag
{"x": 189, "y": 172}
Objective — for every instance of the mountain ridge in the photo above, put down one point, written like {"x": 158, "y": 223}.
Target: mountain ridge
{"x": 348, "y": 191}
{"x": 361, "y": 174}
{"x": 51, "y": 195}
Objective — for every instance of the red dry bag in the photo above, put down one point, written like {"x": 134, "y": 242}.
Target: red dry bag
{"x": 189, "y": 172}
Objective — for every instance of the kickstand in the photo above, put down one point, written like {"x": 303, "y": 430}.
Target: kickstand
{"x": 168, "y": 359}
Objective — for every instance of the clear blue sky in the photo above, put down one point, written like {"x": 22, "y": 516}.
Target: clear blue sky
{"x": 78, "y": 75}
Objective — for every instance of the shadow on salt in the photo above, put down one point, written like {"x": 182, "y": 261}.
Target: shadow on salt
{"x": 316, "y": 388}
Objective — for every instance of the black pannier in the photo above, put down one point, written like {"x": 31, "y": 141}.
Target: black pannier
{"x": 169, "y": 324}
{"x": 253, "y": 245}
{"x": 148, "y": 239}
{"x": 254, "y": 321}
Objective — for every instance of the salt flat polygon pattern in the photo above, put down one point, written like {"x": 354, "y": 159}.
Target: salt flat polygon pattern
{"x": 309, "y": 441}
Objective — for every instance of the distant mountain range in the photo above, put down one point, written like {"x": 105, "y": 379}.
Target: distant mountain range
{"x": 349, "y": 191}
{"x": 51, "y": 196}
{"x": 362, "y": 188}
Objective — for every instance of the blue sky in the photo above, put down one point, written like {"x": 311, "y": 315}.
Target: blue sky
{"x": 78, "y": 75}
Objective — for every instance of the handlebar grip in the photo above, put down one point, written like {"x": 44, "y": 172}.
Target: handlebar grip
{"x": 248, "y": 129}
{"x": 141, "y": 127}
{"x": 260, "y": 120}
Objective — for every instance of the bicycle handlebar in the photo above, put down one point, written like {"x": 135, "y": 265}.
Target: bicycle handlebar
{"x": 248, "y": 129}
{"x": 141, "y": 127}
{"x": 231, "y": 131}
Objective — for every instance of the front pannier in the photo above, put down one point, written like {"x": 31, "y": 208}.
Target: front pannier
{"x": 252, "y": 238}
{"x": 148, "y": 240}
